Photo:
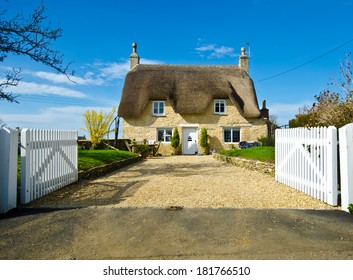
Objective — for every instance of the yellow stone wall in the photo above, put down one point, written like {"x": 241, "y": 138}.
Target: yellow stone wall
{"x": 145, "y": 127}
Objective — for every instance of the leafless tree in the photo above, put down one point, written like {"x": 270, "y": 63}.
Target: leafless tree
{"x": 334, "y": 105}
{"x": 32, "y": 37}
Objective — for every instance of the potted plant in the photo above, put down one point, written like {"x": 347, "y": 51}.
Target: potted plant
{"x": 175, "y": 142}
{"x": 144, "y": 150}
{"x": 204, "y": 142}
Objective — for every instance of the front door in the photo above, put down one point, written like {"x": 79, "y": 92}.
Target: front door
{"x": 189, "y": 141}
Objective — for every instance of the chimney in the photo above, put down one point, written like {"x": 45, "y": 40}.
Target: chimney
{"x": 264, "y": 111}
{"x": 134, "y": 58}
{"x": 244, "y": 61}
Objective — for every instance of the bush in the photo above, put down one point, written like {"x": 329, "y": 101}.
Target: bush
{"x": 350, "y": 208}
{"x": 142, "y": 149}
{"x": 175, "y": 142}
{"x": 204, "y": 138}
{"x": 267, "y": 141}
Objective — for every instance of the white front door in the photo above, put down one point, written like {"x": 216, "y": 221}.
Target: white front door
{"x": 189, "y": 141}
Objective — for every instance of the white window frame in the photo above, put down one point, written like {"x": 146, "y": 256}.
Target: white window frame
{"x": 231, "y": 134}
{"x": 219, "y": 102}
{"x": 157, "y": 104}
{"x": 165, "y": 134}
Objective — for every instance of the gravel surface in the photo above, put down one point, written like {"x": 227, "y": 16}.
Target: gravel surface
{"x": 186, "y": 181}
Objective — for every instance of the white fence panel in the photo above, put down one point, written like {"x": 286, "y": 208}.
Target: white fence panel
{"x": 346, "y": 165}
{"x": 8, "y": 169}
{"x": 48, "y": 162}
{"x": 306, "y": 159}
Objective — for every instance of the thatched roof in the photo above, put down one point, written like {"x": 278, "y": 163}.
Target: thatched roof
{"x": 188, "y": 88}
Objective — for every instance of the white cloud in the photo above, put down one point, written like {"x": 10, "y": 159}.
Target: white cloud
{"x": 212, "y": 50}
{"x": 71, "y": 80}
{"x": 66, "y": 118}
{"x": 44, "y": 89}
{"x": 114, "y": 70}
{"x": 99, "y": 73}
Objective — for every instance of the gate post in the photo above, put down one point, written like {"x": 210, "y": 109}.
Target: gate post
{"x": 8, "y": 169}
{"x": 346, "y": 165}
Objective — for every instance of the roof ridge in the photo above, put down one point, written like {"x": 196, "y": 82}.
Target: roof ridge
{"x": 192, "y": 65}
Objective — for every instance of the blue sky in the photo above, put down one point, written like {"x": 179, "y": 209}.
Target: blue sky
{"x": 97, "y": 37}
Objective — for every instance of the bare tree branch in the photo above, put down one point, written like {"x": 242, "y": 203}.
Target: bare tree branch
{"x": 31, "y": 37}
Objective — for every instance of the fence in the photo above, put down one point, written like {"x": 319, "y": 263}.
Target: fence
{"x": 306, "y": 159}
{"x": 8, "y": 169}
{"x": 48, "y": 161}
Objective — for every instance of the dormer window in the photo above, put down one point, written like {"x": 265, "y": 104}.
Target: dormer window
{"x": 219, "y": 106}
{"x": 158, "y": 108}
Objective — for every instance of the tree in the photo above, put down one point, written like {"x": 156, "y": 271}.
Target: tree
{"x": 175, "y": 142}
{"x": 204, "y": 138}
{"x": 334, "y": 105}
{"x": 97, "y": 124}
{"x": 31, "y": 37}
{"x": 204, "y": 141}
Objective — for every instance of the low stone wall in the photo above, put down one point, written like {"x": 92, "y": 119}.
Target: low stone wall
{"x": 255, "y": 165}
{"x": 104, "y": 169}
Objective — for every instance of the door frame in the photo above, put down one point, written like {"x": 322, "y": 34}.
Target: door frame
{"x": 183, "y": 144}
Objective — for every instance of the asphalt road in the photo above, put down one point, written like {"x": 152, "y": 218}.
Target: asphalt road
{"x": 188, "y": 233}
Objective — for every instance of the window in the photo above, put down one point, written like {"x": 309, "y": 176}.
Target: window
{"x": 158, "y": 108}
{"x": 219, "y": 106}
{"x": 164, "y": 134}
{"x": 231, "y": 135}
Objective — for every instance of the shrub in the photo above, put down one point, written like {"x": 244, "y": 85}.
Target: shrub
{"x": 350, "y": 208}
{"x": 266, "y": 141}
{"x": 142, "y": 149}
{"x": 175, "y": 142}
{"x": 204, "y": 138}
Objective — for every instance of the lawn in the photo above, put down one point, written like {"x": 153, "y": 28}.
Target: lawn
{"x": 264, "y": 153}
{"x": 92, "y": 158}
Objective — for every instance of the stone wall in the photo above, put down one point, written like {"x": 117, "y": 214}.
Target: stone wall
{"x": 255, "y": 165}
{"x": 145, "y": 127}
{"x": 105, "y": 169}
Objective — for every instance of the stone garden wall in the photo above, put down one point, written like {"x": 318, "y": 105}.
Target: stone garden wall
{"x": 255, "y": 165}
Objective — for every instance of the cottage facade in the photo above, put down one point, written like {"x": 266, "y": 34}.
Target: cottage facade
{"x": 222, "y": 99}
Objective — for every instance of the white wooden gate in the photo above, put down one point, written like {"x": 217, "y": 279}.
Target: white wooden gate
{"x": 306, "y": 159}
{"x": 48, "y": 161}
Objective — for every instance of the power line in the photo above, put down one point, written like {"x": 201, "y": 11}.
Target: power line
{"x": 306, "y": 63}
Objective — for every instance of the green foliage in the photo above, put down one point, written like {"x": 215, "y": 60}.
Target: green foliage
{"x": 97, "y": 124}
{"x": 350, "y": 208}
{"x": 175, "y": 142}
{"x": 301, "y": 120}
{"x": 204, "y": 138}
{"x": 267, "y": 141}
{"x": 256, "y": 153}
{"x": 142, "y": 149}
{"x": 92, "y": 158}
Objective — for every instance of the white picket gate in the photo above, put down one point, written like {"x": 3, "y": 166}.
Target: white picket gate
{"x": 306, "y": 159}
{"x": 48, "y": 161}
{"x": 8, "y": 169}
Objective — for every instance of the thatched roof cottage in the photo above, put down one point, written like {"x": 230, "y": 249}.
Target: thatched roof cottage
{"x": 222, "y": 99}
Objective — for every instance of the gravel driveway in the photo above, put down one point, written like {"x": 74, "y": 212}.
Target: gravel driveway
{"x": 186, "y": 181}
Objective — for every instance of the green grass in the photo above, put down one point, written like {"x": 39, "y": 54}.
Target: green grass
{"x": 264, "y": 153}
{"x": 92, "y": 158}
